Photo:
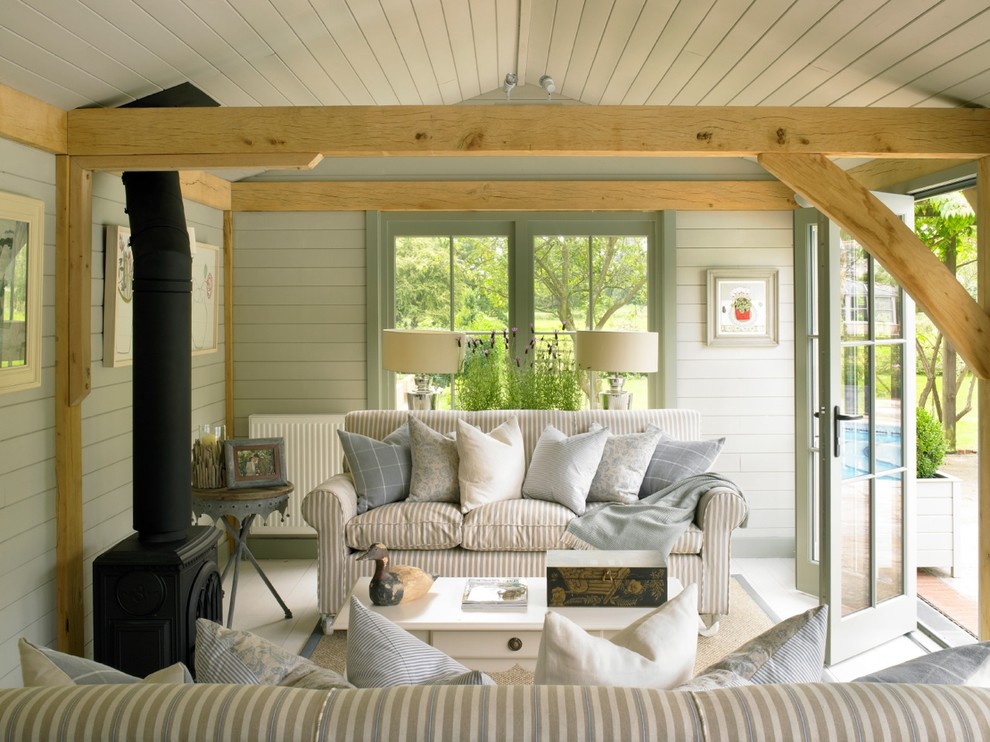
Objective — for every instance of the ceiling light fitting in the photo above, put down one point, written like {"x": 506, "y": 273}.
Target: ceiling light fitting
{"x": 547, "y": 83}
{"x": 510, "y": 82}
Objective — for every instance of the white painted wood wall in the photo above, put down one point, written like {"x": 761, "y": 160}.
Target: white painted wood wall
{"x": 27, "y": 428}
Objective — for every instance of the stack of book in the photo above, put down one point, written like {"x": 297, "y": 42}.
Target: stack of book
{"x": 495, "y": 594}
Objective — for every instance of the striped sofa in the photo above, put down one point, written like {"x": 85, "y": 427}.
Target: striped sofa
{"x": 505, "y": 538}
{"x": 231, "y": 713}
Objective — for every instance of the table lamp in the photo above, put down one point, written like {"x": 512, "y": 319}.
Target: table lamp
{"x": 617, "y": 352}
{"x": 422, "y": 353}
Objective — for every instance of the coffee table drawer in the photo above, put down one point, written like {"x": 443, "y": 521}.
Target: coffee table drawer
{"x": 488, "y": 645}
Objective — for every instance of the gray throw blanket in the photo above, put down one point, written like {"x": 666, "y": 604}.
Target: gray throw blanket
{"x": 654, "y": 523}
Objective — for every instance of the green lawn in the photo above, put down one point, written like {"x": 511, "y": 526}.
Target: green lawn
{"x": 966, "y": 429}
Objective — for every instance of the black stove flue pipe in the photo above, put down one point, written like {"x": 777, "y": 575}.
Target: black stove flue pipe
{"x": 162, "y": 368}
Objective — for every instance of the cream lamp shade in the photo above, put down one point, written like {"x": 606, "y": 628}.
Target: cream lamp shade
{"x": 617, "y": 352}
{"x": 423, "y": 352}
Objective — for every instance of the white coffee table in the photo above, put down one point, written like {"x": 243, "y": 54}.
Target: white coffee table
{"x": 489, "y": 640}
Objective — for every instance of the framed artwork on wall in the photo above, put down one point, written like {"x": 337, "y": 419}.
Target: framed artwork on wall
{"x": 742, "y": 306}
{"x": 21, "y": 267}
{"x": 205, "y": 323}
{"x": 118, "y": 295}
{"x": 255, "y": 462}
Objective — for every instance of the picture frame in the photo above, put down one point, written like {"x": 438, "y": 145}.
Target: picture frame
{"x": 205, "y": 303}
{"x": 22, "y": 248}
{"x": 118, "y": 296}
{"x": 255, "y": 462}
{"x": 742, "y": 306}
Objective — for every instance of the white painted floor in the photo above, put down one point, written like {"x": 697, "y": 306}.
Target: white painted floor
{"x": 295, "y": 579}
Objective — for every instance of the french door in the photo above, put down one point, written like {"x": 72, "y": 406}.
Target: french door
{"x": 855, "y": 436}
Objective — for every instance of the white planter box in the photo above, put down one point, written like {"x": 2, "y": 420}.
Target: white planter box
{"x": 939, "y": 520}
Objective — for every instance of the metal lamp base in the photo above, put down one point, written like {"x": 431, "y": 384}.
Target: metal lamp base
{"x": 422, "y": 400}
{"x": 616, "y": 400}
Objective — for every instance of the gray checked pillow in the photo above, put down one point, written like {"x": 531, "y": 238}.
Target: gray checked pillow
{"x": 674, "y": 460}
{"x": 381, "y": 469}
{"x": 242, "y": 658}
{"x": 41, "y": 666}
{"x": 793, "y": 651}
{"x": 434, "y": 465}
{"x": 965, "y": 665}
{"x": 623, "y": 465}
{"x": 381, "y": 654}
{"x": 563, "y": 468}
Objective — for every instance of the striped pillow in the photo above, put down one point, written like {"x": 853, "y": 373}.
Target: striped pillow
{"x": 793, "y": 651}
{"x": 562, "y": 468}
{"x": 381, "y": 654}
{"x": 41, "y": 666}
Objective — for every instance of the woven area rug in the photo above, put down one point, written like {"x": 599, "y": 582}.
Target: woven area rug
{"x": 746, "y": 620}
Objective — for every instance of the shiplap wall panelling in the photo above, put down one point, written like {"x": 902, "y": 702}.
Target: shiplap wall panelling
{"x": 744, "y": 393}
{"x": 299, "y": 310}
{"x": 27, "y": 449}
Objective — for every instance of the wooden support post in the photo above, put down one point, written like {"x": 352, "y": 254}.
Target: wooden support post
{"x": 72, "y": 343}
{"x": 228, "y": 317}
{"x": 983, "y": 410}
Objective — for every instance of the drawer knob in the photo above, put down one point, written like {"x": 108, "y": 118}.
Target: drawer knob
{"x": 515, "y": 644}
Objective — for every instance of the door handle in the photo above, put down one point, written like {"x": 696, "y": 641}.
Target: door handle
{"x": 839, "y": 417}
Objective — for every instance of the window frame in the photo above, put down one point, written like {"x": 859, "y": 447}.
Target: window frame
{"x": 521, "y": 228}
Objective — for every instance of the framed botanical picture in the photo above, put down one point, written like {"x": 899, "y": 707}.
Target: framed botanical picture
{"x": 205, "y": 323}
{"x": 742, "y": 306}
{"x": 118, "y": 296}
{"x": 21, "y": 266}
{"x": 255, "y": 462}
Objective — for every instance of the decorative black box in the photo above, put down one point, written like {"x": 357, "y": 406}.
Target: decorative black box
{"x": 606, "y": 579}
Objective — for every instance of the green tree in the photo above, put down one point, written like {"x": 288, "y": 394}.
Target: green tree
{"x": 947, "y": 224}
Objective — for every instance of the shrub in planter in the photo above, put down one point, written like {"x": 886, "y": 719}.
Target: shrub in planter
{"x": 930, "y": 441}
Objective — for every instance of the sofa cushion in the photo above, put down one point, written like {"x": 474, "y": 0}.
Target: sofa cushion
{"x": 562, "y": 467}
{"x": 623, "y": 465}
{"x": 381, "y": 469}
{"x": 675, "y": 460}
{"x": 381, "y": 654}
{"x": 434, "y": 465}
{"x": 515, "y": 525}
{"x": 793, "y": 651}
{"x": 407, "y": 525}
{"x": 240, "y": 657}
{"x": 968, "y": 664}
{"x": 655, "y": 651}
{"x": 491, "y": 466}
{"x": 41, "y": 666}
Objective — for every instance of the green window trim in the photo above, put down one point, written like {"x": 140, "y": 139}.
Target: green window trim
{"x": 521, "y": 228}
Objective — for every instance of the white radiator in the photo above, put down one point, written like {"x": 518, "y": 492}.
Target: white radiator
{"x": 312, "y": 455}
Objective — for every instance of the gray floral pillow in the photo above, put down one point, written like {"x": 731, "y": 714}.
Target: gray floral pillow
{"x": 434, "y": 465}
{"x": 623, "y": 465}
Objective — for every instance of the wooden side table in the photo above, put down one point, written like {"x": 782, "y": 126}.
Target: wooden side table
{"x": 244, "y": 505}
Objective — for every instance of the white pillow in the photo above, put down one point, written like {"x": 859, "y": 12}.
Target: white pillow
{"x": 563, "y": 468}
{"x": 656, "y": 651}
{"x": 491, "y": 467}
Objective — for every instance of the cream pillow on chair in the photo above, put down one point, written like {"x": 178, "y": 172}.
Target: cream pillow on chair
{"x": 656, "y": 651}
{"x": 492, "y": 466}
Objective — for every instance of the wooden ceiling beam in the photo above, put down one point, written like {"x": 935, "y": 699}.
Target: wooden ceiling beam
{"x": 531, "y": 130}
{"x": 495, "y": 195}
{"x": 196, "y": 161}
{"x": 888, "y": 239}
{"x": 32, "y": 122}
{"x": 205, "y": 188}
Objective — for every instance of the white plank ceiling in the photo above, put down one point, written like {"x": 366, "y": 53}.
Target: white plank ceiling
{"x": 74, "y": 53}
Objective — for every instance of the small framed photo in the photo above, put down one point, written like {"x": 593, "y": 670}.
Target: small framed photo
{"x": 255, "y": 462}
{"x": 742, "y": 306}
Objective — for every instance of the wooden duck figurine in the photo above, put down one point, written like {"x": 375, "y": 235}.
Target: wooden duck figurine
{"x": 398, "y": 584}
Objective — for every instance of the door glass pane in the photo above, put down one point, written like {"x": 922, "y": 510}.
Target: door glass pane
{"x": 854, "y": 273}
{"x": 561, "y": 282}
{"x": 618, "y": 283}
{"x": 855, "y": 434}
{"x": 856, "y": 571}
{"x": 481, "y": 283}
{"x": 886, "y": 304}
{"x": 422, "y": 282}
{"x": 890, "y": 549}
{"x": 889, "y": 403}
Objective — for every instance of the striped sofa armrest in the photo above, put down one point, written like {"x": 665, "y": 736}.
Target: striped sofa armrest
{"x": 327, "y": 509}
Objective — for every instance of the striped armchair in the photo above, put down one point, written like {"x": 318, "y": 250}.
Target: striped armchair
{"x": 505, "y": 538}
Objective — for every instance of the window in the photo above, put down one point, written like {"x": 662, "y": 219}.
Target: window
{"x": 545, "y": 273}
